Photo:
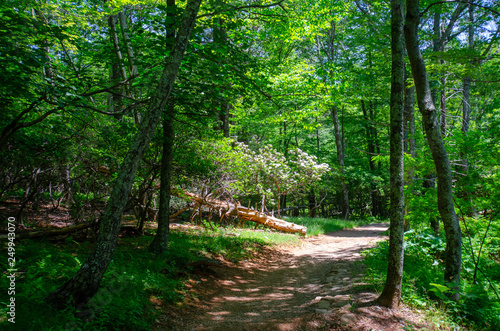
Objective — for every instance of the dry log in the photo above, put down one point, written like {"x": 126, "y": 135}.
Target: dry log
{"x": 247, "y": 214}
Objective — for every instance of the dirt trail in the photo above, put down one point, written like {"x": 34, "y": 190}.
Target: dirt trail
{"x": 302, "y": 288}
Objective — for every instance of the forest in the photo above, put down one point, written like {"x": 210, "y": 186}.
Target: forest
{"x": 146, "y": 145}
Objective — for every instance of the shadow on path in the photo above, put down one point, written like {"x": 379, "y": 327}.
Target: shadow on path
{"x": 280, "y": 291}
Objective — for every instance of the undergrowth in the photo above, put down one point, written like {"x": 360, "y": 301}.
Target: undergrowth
{"x": 134, "y": 280}
{"x": 423, "y": 288}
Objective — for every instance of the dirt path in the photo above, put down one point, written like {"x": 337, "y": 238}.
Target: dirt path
{"x": 311, "y": 287}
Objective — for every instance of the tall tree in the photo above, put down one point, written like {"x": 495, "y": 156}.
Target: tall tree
{"x": 330, "y": 54}
{"x": 117, "y": 70}
{"x": 438, "y": 151}
{"x": 442, "y": 36}
{"x": 82, "y": 287}
{"x": 466, "y": 112}
{"x": 371, "y": 139}
{"x": 391, "y": 294}
{"x": 340, "y": 160}
{"x": 160, "y": 241}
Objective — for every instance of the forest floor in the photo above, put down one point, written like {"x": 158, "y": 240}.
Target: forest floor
{"x": 316, "y": 286}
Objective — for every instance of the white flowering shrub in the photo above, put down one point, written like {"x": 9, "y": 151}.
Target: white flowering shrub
{"x": 262, "y": 171}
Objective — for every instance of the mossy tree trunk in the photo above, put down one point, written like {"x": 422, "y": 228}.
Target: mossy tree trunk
{"x": 160, "y": 241}
{"x": 438, "y": 151}
{"x": 391, "y": 294}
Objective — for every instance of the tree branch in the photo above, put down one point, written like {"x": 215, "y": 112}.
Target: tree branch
{"x": 279, "y": 3}
{"x": 461, "y": 1}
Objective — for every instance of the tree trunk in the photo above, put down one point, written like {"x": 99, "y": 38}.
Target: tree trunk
{"x": 116, "y": 44}
{"x": 312, "y": 203}
{"x": 340, "y": 160}
{"x": 331, "y": 54}
{"x": 370, "y": 141}
{"x": 441, "y": 37}
{"x": 52, "y": 232}
{"x": 82, "y": 287}
{"x": 466, "y": 112}
{"x": 443, "y": 106}
{"x": 438, "y": 151}
{"x": 391, "y": 295}
{"x": 283, "y": 204}
{"x": 224, "y": 117}
{"x": 409, "y": 132}
{"x": 64, "y": 173}
{"x": 160, "y": 241}
{"x": 128, "y": 45}
{"x": 430, "y": 182}
{"x": 117, "y": 72}
{"x": 131, "y": 59}
{"x": 410, "y": 124}
{"x": 436, "y": 47}
{"x": 220, "y": 40}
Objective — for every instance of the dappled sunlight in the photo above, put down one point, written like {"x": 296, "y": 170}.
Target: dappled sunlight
{"x": 280, "y": 291}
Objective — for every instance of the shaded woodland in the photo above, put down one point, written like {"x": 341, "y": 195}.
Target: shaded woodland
{"x": 121, "y": 117}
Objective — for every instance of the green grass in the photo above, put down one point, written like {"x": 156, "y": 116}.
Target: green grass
{"x": 267, "y": 237}
{"x": 317, "y": 226}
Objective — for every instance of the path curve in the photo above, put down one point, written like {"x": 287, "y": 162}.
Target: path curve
{"x": 301, "y": 288}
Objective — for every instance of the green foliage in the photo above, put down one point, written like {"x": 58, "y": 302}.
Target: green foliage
{"x": 422, "y": 286}
{"x": 271, "y": 71}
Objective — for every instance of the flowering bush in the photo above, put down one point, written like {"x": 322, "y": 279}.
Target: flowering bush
{"x": 263, "y": 171}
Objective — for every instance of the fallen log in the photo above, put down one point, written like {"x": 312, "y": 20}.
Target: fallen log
{"x": 226, "y": 209}
{"x": 50, "y": 233}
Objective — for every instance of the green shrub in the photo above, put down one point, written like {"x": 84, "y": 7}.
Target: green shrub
{"x": 479, "y": 306}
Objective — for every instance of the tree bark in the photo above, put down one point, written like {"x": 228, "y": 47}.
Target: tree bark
{"x": 331, "y": 54}
{"x": 436, "y": 47}
{"x": 224, "y": 116}
{"x": 371, "y": 135}
{"x": 160, "y": 241}
{"x": 466, "y": 112}
{"x": 312, "y": 203}
{"x": 340, "y": 160}
{"x": 410, "y": 121}
{"x": 438, "y": 151}
{"x": 391, "y": 295}
{"x": 128, "y": 45}
{"x": 82, "y": 287}
{"x": 283, "y": 208}
{"x": 221, "y": 40}
{"x": 117, "y": 71}
{"x": 409, "y": 132}
{"x": 51, "y": 233}
{"x": 116, "y": 44}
